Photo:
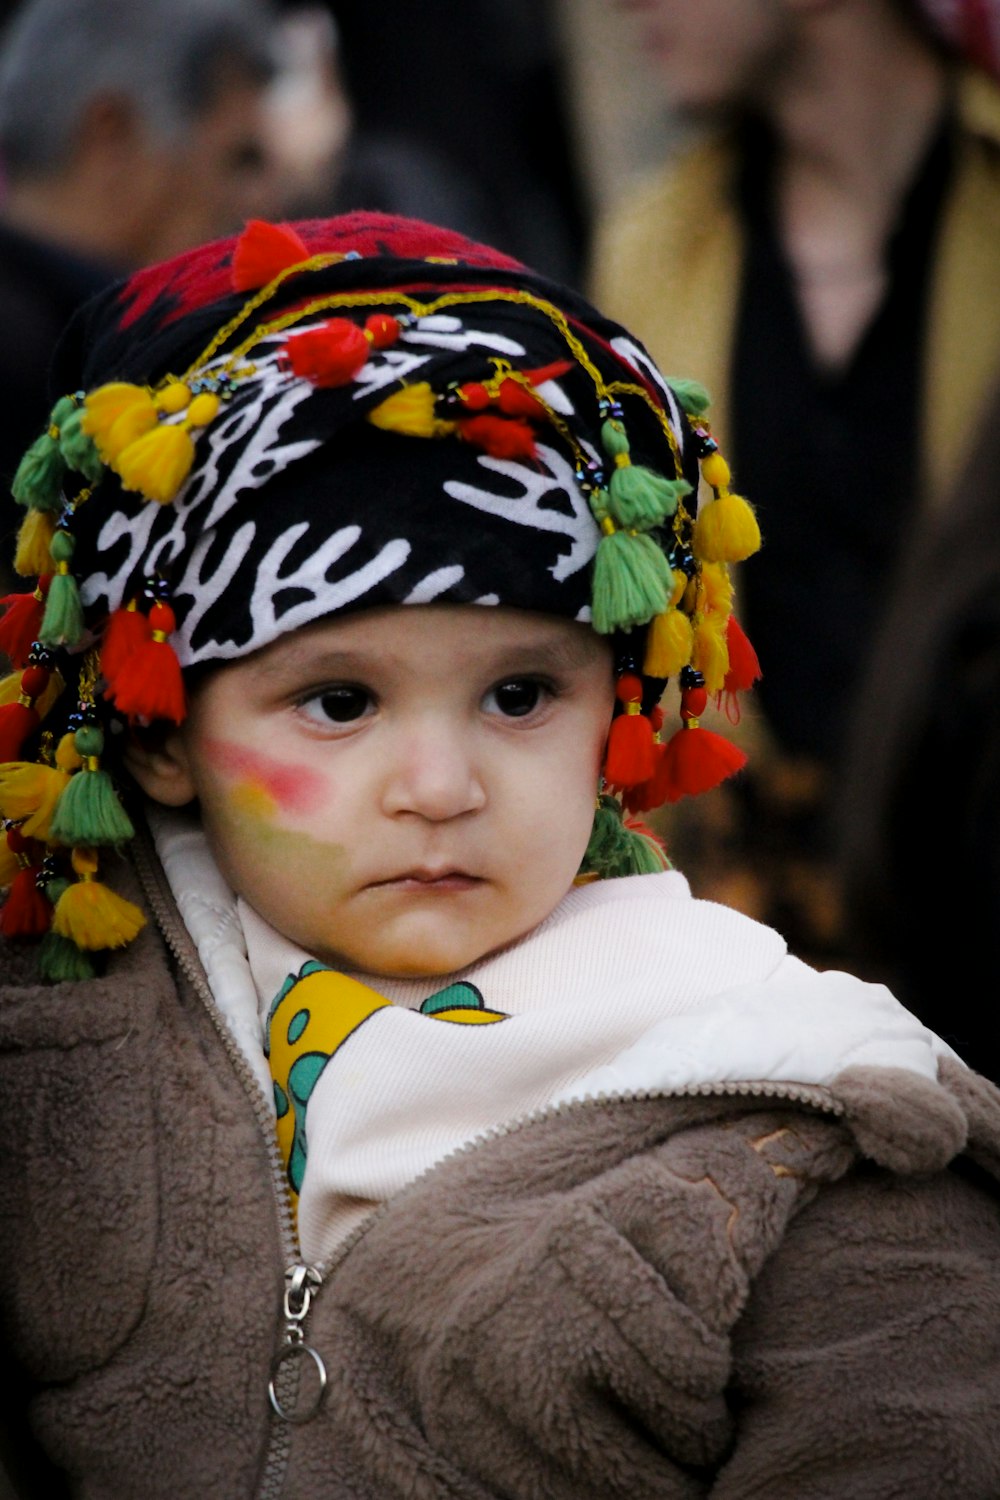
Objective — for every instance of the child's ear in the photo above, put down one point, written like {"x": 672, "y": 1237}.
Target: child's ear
{"x": 158, "y": 761}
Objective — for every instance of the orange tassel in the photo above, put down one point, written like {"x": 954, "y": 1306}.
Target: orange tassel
{"x": 21, "y": 622}
{"x": 501, "y": 437}
{"x": 630, "y": 756}
{"x": 149, "y": 685}
{"x": 126, "y": 631}
{"x": 329, "y": 355}
{"x": 262, "y": 252}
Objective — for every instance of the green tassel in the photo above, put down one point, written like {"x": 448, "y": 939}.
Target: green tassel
{"x": 78, "y": 448}
{"x": 641, "y": 854}
{"x": 89, "y": 812}
{"x": 62, "y": 623}
{"x": 615, "y": 850}
{"x": 632, "y": 582}
{"x": 59, "y": 958}
{"x": 641, "y": 499}
{"x": 37, "y": 484}
{"x": 638, "y": 498}
{"x": 693, "y": 397}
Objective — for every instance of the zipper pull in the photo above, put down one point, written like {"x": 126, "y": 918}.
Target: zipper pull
{"x": 301, "y": 1283}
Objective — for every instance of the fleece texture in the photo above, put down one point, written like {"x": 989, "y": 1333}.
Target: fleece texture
{"x": 732, "y": 1293}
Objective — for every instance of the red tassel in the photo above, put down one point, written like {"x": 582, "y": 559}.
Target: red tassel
{"x": 149, "y": 684}
{"x": 21, "y": 622}
{"x": 329, "y": 355}
{"x": 26, "y": 912}
{"x": 262, "y": 252}
{"x": 630, "y": 756}
{"x": 515, "y": 401}
{"x": 503, "y": 437}
{"x": 697, "y": 760}
{"x": 744, "y": 668}
{"x": 126, "y": 631}
{"x": 382, "y": 329}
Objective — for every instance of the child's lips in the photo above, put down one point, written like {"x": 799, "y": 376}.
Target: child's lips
{"x": 429, "y": 880}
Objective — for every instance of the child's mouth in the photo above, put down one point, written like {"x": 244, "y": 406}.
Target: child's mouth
{"x": 430, "y": 880}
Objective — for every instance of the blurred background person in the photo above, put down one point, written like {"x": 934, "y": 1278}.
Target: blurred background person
{"x": 467, "y": 123}
{"x": 827, "y": 229}
{"x": 918, "y": 825}
{"x": 128, "y": 132}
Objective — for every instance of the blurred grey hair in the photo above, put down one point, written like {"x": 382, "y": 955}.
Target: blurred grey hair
{"x": 167, "y": 57}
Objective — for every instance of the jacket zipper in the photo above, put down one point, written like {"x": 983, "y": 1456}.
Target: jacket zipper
{"x": 303, "y": 1282}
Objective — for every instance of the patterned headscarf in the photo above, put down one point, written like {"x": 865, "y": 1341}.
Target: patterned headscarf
{"x": 328, "y": 416}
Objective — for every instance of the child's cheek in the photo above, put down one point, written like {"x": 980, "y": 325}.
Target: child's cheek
{"x": 264, "y": 786}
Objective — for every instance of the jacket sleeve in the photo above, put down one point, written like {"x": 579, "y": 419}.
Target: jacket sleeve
{"x": 867, "y": 1361}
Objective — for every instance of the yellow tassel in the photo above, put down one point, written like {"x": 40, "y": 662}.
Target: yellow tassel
{"x": 157, "y": 464}
{"x": 716, "y": 589}
{"x": 92, "y": 916}
{"x": 669, "y": 640}
{"x": 726, "y": 530}
{"x": 411, "y": 410}
{"x": 32, "y": 557}
{"x": 710, "y": 656}
{"x": 30, "y": 791}
{"x": 115, "y": 415}
{"x": 173, "y": 398}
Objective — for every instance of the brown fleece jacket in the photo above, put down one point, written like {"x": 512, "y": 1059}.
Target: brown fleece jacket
{"x": 728, "y": 1294}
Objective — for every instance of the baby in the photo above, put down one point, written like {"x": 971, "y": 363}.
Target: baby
{"x": 382, "y": 1115}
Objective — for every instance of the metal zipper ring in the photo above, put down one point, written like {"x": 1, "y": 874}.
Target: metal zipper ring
{"x": 291, "y": 1351}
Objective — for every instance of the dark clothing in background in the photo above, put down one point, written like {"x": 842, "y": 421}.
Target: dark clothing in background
{"x": 41, "y": 284}
{"x": 461, "y": 118}
{"x": 836, "y": 492}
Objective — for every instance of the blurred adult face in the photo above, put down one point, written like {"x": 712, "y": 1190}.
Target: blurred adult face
{"x": 714, "y": 55}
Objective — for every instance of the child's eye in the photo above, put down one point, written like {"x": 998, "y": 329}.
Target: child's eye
{"x": 337, "y": 705}
{"x": 516, "y": 698}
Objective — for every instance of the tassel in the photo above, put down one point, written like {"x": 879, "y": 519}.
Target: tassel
{"x": 89, "y": 811}
{"x": 616, "y": 848}
{"x": 62, "y": 623}
{"x": 78, "y": 448}
{"x": 29, "y": 792}
{"x": 501, "y": 437}
{"x": 92, "y": 916}
{"x": 629, "y": 758}
{"x": 330, "y": 355}
{"x": 19, "y": 720}
{"x": 21, "y": 622}
{"x": 262, "y": 252}
{"x": 59, "y": 959}
{"x": 38, "y": 480}
{"x": 693, "y": 397}
{"x": 744, "y": 668}
{"x": 632, "y": 580}
{"x": 515, "y": 400}
{"x": 25, "y": 913}
{"x": 698, "y": 760}
{"x": 9, "y": 862}
{"x": 149, "y": 684}
{"x": 638, "y": 498}
{"x": 726, "y": 530}
{"x": 643, "y": 852}
{"x": 716, "y": 591}
{"x": 105, "y": 407}
{"x": 126, "y": 631}
{"x": 34, "y": 540}
{"x": 669, "y": 643}
{"x": 158, "y": 462}
{"x": 710, "y": 656}
{"x": 411, "y": 410}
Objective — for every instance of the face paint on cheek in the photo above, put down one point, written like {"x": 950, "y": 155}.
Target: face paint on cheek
{"x": 266, "y": 785}
{"x": 244, "y": 825}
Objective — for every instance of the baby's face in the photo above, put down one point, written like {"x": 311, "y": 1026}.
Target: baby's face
{"x": 404, "y": 790}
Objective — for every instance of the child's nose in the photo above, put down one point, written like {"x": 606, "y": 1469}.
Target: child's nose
{"x": 434, "y": 776}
